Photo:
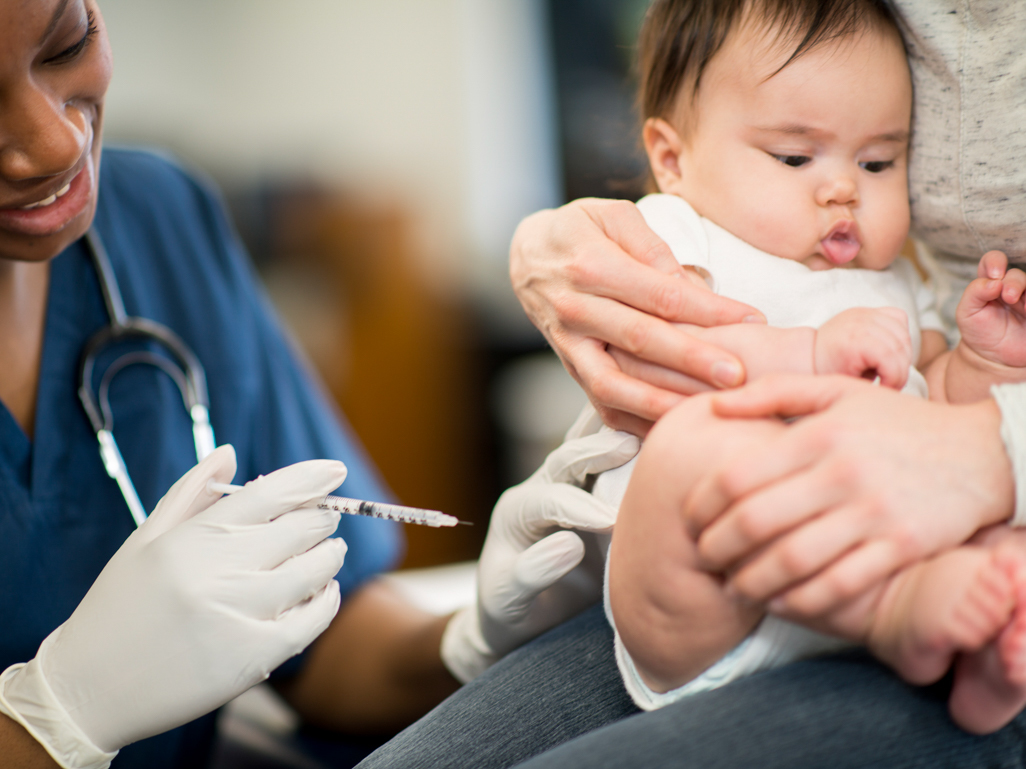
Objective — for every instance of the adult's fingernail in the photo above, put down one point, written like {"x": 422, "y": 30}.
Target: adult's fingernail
{"x": 726, "y": 374}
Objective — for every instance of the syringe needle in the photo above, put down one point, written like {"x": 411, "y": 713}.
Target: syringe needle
{"x": 400, "y": 513}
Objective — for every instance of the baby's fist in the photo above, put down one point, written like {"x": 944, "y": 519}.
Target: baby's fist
{"x": 991, "y": 315}
{"x": 866, "y": 342}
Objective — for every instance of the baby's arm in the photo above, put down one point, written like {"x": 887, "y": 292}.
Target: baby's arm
{"x": 857, "y": 342}
{"x": 992, "y": 319}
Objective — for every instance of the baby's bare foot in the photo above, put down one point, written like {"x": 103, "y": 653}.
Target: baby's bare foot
{"x": 956, "y": 602}
{"x": 1012, "y": 641}
{"x": 990, "y": 684}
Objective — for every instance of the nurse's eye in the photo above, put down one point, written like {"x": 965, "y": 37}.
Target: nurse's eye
{"x": 71, "y": 52}
{"x": 794, "y": 161}
{"x": 876, "y": 166}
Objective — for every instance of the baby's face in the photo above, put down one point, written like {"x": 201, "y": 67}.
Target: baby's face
{"x": 808, "y": 164}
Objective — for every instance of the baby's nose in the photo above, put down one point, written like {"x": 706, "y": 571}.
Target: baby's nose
{"x": 839, "y": 190}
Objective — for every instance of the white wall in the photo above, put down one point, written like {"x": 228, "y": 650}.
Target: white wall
{"x": 442, "y": 104}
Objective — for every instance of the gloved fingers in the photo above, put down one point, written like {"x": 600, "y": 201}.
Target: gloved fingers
{"x": 264, "y": 499}
{"x": 301, "y": 624}
{"x": 268, "y": 545}
{"x": 543, "y": 507}
{"x": 294, "y": 581}
{"x": 546, "y": 562}
{"x": 190, "y": 495}
{"x": 575, "y": 460}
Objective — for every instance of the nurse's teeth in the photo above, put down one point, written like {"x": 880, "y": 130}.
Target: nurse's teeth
{"x": 47, "y": 201}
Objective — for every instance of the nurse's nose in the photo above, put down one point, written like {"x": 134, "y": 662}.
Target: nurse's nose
{"x": 839, "y": 189}
{"x": 39, "y": 137}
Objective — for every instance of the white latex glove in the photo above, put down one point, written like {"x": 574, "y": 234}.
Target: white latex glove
{"x": 200, "y": 603}
{"x": 531, "y": 577}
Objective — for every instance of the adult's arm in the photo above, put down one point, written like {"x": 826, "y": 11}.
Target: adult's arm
{"x": 592, "y": 274}
{"x": 18, "y": 748}
{"x": 867, "y": 482}
{"x": 377, "y": 667}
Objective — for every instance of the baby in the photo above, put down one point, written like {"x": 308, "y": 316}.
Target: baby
{"x": 777, "y": 131}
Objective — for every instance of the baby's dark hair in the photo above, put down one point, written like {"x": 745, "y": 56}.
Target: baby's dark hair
{"x": 679, "y": 37}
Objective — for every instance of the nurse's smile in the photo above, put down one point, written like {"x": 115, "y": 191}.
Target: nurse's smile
{"x": 50, "y": 215}
{"x": 55, "y": 66}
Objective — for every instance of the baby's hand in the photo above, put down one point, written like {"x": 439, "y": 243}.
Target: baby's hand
{"x": 991, "y": 314}
{"x": 866, "y": 342}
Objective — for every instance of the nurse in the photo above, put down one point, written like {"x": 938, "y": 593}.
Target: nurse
{"x": 191, "y": 608}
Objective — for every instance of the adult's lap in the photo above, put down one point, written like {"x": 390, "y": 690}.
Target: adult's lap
{"x": 559, "y": 700}
{"x": 559, "y": 686}
{"x": 836, "y": 712}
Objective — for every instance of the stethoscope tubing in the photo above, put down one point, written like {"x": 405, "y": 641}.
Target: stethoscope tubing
{"x": 182, "y": 366}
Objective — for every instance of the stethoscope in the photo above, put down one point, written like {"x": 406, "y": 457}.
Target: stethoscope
{"x": 182, "y": 366}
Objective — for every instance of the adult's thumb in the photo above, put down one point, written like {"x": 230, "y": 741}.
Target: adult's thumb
{"x": 785, "y": 395}
{"x": 546, "y": 562}
{"x": 575, "y": 460}
{"x": 190, "y": 494}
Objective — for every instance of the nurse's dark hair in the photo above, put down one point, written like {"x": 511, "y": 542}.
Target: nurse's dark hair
{"x": 679, "y": 37}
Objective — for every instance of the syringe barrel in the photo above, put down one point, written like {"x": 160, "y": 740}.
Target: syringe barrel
{"x": 400, "y": 513}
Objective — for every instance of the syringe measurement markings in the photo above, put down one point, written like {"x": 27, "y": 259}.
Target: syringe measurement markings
{"x": 382, "y": 510}
{"x": 389, "y": 512}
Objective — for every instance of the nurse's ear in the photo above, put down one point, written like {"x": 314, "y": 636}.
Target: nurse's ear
{"x": 664, "y": 146}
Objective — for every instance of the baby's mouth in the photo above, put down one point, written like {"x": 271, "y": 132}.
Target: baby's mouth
{"x": 842, "y": 244}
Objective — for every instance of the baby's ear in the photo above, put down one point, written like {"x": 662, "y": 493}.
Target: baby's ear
{"x": 664, "y": 146}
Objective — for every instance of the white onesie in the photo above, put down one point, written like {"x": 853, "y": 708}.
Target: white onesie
{"x": 790, "y": 295}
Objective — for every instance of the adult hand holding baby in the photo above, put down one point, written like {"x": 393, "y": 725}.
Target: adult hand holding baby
{"x": 617, "y": 284}
{"x": 867, "y": 482}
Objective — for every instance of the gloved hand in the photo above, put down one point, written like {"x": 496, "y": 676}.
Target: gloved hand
{"x": 531, "y": 577}
{"x": 200, "y": 603}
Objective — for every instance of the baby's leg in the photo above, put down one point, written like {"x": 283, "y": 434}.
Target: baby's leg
{"x": 969, "y": 602}
{"x": 674, "y": 618}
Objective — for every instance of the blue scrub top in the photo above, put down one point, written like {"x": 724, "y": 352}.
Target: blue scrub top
{"x": 178, "y": 262}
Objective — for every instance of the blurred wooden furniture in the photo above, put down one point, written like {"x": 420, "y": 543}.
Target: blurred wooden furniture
{"x": 404, "y": 376}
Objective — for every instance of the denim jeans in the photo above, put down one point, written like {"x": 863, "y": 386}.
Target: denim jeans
{"x": 559, "y": 700}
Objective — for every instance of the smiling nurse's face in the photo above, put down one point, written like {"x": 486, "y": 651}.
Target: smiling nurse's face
{"x": 55, "y": 65}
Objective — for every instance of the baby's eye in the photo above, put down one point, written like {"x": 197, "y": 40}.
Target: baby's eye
{"x": 876, "y": 166}
{"x": 793, "y": 160}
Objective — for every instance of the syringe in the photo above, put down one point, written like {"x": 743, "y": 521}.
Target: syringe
{"x": 400, "y": 513}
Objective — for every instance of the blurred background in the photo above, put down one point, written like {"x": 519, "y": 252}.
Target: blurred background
{"x": 377, "y": 157}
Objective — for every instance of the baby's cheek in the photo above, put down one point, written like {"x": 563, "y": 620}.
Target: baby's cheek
{"x": 884, "y": 230}
{"x": 782, "y": 230}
